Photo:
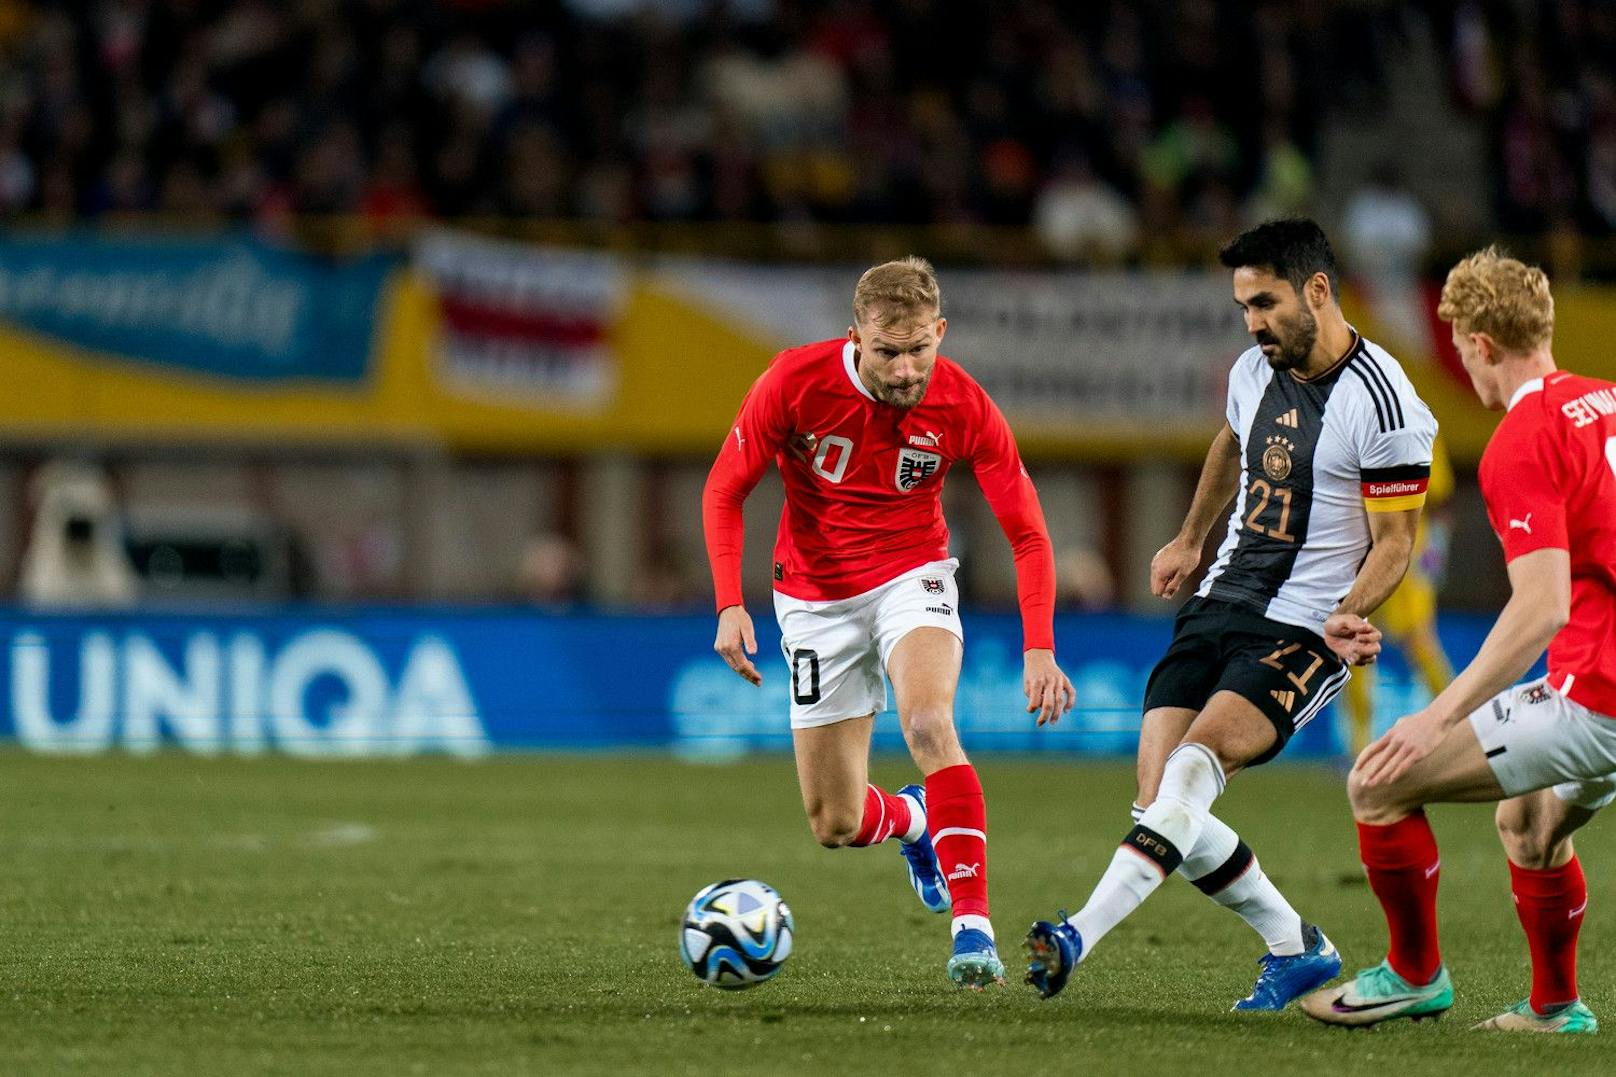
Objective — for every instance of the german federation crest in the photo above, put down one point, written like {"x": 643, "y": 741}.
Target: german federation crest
{"x": 915, "y": 467}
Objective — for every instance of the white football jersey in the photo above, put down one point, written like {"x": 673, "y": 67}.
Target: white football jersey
{"x": 1316, "y": 457}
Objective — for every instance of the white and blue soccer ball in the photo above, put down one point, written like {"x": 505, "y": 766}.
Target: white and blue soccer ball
{"x": 736, "y": 933}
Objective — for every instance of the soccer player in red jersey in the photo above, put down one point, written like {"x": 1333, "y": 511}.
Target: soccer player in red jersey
{"x": 863, "y": 431}
{"x": 1546, "y": 750}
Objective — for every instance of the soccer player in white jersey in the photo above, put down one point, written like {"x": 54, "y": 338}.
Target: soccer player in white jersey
{"x": 1326, "y": 453}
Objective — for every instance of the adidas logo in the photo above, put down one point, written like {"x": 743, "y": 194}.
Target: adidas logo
{"x": 1289, "y": 419}
{"x": 1287, "y": 699}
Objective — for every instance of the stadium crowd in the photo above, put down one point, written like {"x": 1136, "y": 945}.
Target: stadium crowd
{"x": 1096, "y": 122}
{"x": 753, "y": 111}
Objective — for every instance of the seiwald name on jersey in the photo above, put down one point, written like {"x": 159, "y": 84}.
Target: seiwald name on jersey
{"x": 1549, "y": 480}
{"x": 1315, "y": 455}
{"x": 863, "y": 480}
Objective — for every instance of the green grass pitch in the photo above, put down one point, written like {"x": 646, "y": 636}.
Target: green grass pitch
{"x": 170, "y": 915}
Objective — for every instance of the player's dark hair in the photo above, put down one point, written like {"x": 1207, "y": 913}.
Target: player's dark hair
{"x": 1293, "y": 248}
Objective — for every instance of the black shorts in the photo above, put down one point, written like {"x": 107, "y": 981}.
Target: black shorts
{"x": 1286, "y": 672}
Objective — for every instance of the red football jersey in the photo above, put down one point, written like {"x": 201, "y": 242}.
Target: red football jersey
{"x": 864, "y": 482}
{"x": 1549, "y": 479}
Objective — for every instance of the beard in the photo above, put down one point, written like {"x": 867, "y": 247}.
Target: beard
{"x": 1296, "y": 343}
{"x": 904, "y": 396}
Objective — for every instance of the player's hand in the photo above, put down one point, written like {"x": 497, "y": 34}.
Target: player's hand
{"x": 1172, "y": 565}
{"x": 1049, "y": 692}
{"x": 736, "y": 640}
{"x": 1354, "y": 640}
{"x": 1406, "y": 743}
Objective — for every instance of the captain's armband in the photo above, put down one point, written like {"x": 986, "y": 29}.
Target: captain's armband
{"x": 1395, "y": 489}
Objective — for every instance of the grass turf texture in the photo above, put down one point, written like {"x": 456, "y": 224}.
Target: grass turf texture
{"x": 172, "y": 915}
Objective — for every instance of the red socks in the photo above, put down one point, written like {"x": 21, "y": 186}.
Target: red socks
{"x": 885, "y": 814}
{"x": 1402, "y": 863}
{"x": 1550, "y": 904}
{"x": 958, "y": 821}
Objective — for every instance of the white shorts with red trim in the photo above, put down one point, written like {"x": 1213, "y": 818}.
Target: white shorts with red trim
{"x": 837, "y": 651}
{"x": 1535, "y": 738}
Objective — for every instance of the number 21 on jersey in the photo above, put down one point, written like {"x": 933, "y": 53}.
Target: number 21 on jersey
{"x": 1264, "y": 493}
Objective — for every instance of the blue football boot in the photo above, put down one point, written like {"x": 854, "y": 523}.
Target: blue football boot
{"x": 975, "y": 963}
{"x": 1053, "y": 951}
{"x": 925, "y": 875}
{"x": 1284, "y": 979}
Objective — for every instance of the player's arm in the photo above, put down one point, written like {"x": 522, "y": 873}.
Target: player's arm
{"x": 754, "y": 438}
{"x": 1010, "y": 493}
{"x": 1391, "y": 547}
{"x": 1539, "y": 606}
{"x": 1521, "y": 483}
{"x": 1220, "y": 474}
{"x": 1394, "y": 470}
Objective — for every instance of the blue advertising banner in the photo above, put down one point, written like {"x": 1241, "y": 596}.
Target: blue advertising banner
{"x": 391, "y": 682}
{"x": 234, "y": 308}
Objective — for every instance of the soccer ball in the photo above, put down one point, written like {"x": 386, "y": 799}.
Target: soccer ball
{"x": 736, "y": 933}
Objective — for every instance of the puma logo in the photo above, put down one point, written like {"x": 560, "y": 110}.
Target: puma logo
{"x": 965, "y": 871}
{"x": 1524, "y": 525}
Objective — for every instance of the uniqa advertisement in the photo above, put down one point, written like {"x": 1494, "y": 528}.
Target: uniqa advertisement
{"x": 390, "y": 682}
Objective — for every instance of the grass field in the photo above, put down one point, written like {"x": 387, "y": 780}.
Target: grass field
{"x": 170, "y": 915}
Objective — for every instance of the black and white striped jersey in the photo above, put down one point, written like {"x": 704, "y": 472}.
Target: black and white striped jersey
{"x": 1316, "y": 457}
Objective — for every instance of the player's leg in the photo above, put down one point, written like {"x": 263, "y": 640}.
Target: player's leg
{"x": 1268, "y": 679}
{"x": 1550, "y": 897}
{"x": 1225, "y": 736}
{"x": 833, "y": 773}
{"x": 1220, "y": 865}
{"x": 1161, "y": 731}
{"x": 924, "y": 666}
{"x": 1399, "y": 854}
{"x": 836, "y": 689}
{"x": 921, "y": 640}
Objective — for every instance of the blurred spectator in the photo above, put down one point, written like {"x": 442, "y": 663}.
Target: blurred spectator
{"x": 76, "y": 556}
{"x": 1386, "y": 231}
{"x": 1386, "y": 234}
{"x": 1285, "y": 178}
{"x": 1084, "y": 580}
{"x": 550, "y": 571}
{"x": 1078, "y": 216}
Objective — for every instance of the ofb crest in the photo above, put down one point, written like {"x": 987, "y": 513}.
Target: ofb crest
{"x": 915, "y": 467}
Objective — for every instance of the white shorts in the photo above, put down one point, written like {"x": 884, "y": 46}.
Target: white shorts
{"x": 1535, "y": 738}
{"x": 837, "y": 651}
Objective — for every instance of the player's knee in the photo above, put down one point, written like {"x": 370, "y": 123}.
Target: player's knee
{"x": 1379, "y": 805}
{"x": 832, "y": 828}
{"x": 930, "y": 734}
{"x": 1373, "y": 804}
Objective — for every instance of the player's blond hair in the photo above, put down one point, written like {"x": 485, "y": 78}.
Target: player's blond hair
{"x": 896, "y": 290}
{"x": 1490, "y": 292}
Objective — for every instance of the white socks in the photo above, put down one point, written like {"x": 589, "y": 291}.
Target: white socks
{"x": 1191, "y": 781}
{"x": 917, "y": 820}
{"x": 1226, "y": 870}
